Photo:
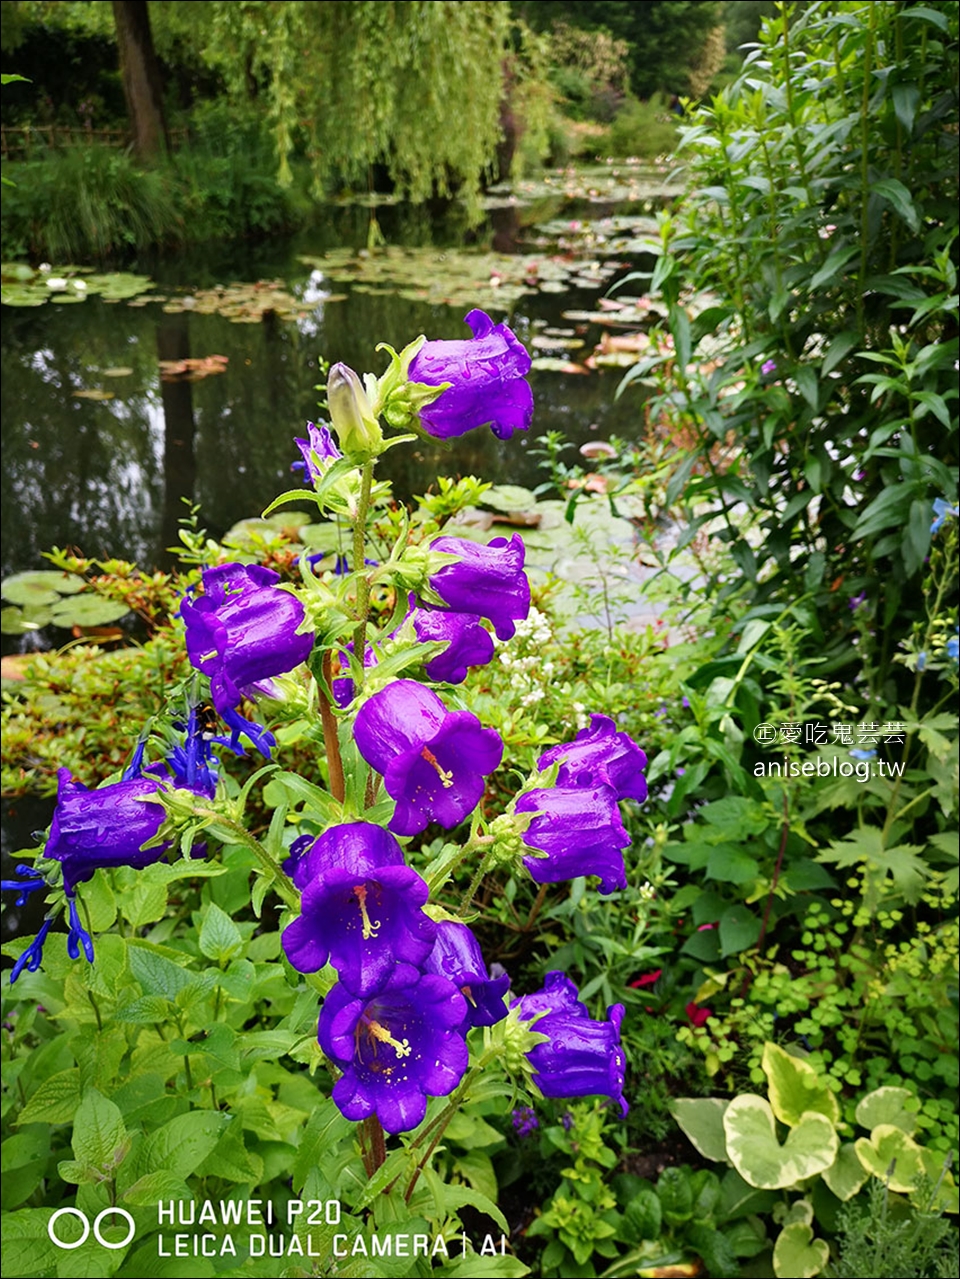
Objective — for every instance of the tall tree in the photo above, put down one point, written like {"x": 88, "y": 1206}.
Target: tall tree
{"x": 140, "y": 71}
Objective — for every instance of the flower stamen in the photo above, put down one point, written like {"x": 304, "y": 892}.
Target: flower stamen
{"x": 446, "y": 776}
{"x": 370, "y": 927}
{"x": 381, "y": 1033}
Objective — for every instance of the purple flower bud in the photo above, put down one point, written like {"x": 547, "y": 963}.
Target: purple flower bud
{"x": 488, "y": 580}
{"x": 243, "y": 630}
{"x": 468, "y": 643}
{"x": 580, "y": 831}
{"x": 456, "y": 955}
{"x": 33, "y": 955}
{"x": 582, "y": 1057}
{"x": 599, "y": 755}
{"x": 319, "y": 452}
{"x": 395, "y": 1049}
{"x": 486, "y": 376}
{"x": 362, "y": 909}
{"x": 433, "y": 761}
{"x": 524, "y": 1121}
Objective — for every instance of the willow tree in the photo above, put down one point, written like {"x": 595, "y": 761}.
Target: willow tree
{"x": 415, "y": 85}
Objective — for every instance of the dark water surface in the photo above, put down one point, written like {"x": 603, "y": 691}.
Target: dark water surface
{"x": 108, "y": 477}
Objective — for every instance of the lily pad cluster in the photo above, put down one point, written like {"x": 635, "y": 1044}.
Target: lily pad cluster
{"x": 23, "y": 285}
{"x": 50, "y": 598}
{"x": 454, "y": 277}
{"x": 597, "y": 184}
{"x": 243, "y": 303}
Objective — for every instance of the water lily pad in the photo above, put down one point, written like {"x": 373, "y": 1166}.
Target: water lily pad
{"x": 67, "y": 285}
{"x": 21, "y": 621}
{"x": 93, "y": 393}
{"x": 117, "y": 372}
{"x": 87, "y": 610}
{"x": 38, "y": 587}
{"x": 509, "y": 497}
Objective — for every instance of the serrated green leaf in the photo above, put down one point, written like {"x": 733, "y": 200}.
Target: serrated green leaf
{"x": 99, "y": 1132}
{"x": 55, "y": 1101}
{"x": 220, "y": 938}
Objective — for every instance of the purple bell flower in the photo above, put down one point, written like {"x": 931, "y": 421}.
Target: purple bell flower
{"x": 319, "y": 453}
{"x": 582, "y": 1057}
{"x": 109, "y": 826}
{"x": 486, "y": 376}
{"x": 433, "y": 761}
{"x": 243, "y": 630}
{"x": 599, "y": 755}
{"x": 396, "y": 1048}
{"x": 580, "y": 831}
{"x": 468, "y": 643}
{"x": 488, "y": 580}
{"x": 362, "y": 909}
{"x": 456, "y": 955}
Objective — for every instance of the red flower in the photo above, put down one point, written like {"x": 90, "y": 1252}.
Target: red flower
{"x": 697, "y": 1015}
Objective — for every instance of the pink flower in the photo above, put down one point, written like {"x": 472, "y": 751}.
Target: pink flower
{"x": 648, "y": 979}
{"x": 697, "y": 1015}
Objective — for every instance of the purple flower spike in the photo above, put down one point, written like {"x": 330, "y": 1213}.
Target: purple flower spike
{"x": 243, "y": 630}
{"x": 433, "y": 761}
{"x": 362, "y": 909}
{"x": 319, "y": 453}
{"x": 33, "y": 955}
{"x": 396, "y": 1048}
{"x": 468, "y": 643}
{"x": 488, "y": 580}
{"x": 580, "y": 831}
{"x": 582, "y": 1058}
{"x": 456, "y": 955}
{"x": 486, "y": 376}
{"x": 599, "y": 755}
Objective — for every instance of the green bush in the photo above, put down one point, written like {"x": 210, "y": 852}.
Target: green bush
{"x": 644, "y": 129}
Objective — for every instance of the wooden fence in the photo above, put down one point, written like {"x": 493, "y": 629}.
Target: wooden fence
{"x": 30, "y": 142}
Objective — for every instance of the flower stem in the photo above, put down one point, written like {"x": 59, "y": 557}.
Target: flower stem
{"x": 475, "y": 882}
{"x": 331, "y": 741}
{"x": 363, "y": 581}
{"x": 241, "y": 835}
{"x": 374, "y": 1144}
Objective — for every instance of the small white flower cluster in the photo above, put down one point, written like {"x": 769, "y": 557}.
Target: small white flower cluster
{"x": 523, "y": 661}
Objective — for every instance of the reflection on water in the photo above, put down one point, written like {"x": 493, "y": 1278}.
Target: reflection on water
{"x": 108, "y": 475}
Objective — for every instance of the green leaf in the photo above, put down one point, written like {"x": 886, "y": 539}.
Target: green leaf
{"x": 888, "y": 1105}
{"x": 731, "y": 865}
{"x": 795, "y": 1088}
{"x": 27, "y": 1247}
{"x": 455, "y": 1197}
{"x": 899, "y": 197}
{"x": 473, "y": 1266}
{"x": 846, "y": 1175}
{"x": 325, "y": 1130}
{"x": 156, "y": 974}
{"x": 231, "y": 1159}
{"x": 55, "y": 1101}
{"x": 797, "y": 1255}
{"x": 181, "y": 1145}
{"x": 476, "y": 1169}
{"x": 892, "y": 1156}
{"x": 753, "y": 1149}
{"x": 155, "y": 1187}
{"x": 23, "y": 1160}
{"x": 832, "y": 268}
{"x": 701, "y": 1118}
{"x": 220, "y": 938}
{"x": 99, "y": 1133}
{"x": 739, "y": 930}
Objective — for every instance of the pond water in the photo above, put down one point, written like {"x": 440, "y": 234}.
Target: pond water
{"x": 100, "y": 449}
